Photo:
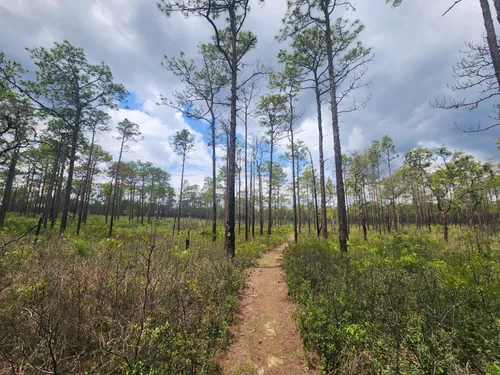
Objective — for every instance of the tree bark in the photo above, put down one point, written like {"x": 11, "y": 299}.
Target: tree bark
{"x": 85, "y": 185}
{"x": 57, "y": 204}
{"x": 239, "y": 196}
{"x": 229, "y": 220}
{"x": 69, "y": 182}
{"x": 324, "y": 225}
{"x": 142, "y": 200}
{"x": 51, "y": 191}
{"x": 393, "y": 193}
{"x": 294, "y": 198}
{"x": 89, "y": 191}
{"x": 491, "y": 37}
{"x": 214, "y": 183}
{"x": 270, "y": 194}
{"x": 315, "y": 195}
{"x": 261, "y": 202}
{"x": 341, "y": 206}
{"x": 29, "y": 183}
{"x": 252, "y": 196}
{"x": 497, "y": 8}
{"x": 7, "y": 191}
{"x": 297, "y": 178}
{"x": 246, "y": 176}
{"x": 180, "y": 195}
{"x": 117, "y": 173}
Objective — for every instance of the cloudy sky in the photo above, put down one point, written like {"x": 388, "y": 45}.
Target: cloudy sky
{"x": 414, "y": 49}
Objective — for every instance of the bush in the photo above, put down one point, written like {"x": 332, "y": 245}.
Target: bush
{"x": 403, "y": 303}
{"x": 138, "y": 303}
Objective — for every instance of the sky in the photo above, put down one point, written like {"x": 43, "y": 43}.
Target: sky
{"x": 414, "y": 50}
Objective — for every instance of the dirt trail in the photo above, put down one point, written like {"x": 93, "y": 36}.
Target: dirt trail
{"x": 266, "y": 336}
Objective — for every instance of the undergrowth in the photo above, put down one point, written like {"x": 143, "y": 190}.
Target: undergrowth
{"x": 404, "y": 303}
{"x": 137, "y": 303}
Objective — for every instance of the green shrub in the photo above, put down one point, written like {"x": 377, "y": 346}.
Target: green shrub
{"x": 401, "y": 303}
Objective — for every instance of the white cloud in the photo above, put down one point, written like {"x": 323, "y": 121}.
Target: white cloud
{"x": 415, "y": 49}
{"x": 356, "y": 141}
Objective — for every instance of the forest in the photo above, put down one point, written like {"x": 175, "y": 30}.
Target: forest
{"x": 109, "y": 264}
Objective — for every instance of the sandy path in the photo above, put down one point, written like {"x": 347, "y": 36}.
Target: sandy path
{"x": 266, "y": 336}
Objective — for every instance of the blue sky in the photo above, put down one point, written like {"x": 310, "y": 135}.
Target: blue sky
{"x": 132, "y": 102}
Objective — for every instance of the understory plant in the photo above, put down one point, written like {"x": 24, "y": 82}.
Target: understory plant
{"x": 137, "y": 303}
{"x": 405, "y": 303}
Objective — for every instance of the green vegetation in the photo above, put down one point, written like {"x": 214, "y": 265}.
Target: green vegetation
{"x": 405, "y": 303}
{"x": 139, "y": 277}
{"x": 138, "y": 303}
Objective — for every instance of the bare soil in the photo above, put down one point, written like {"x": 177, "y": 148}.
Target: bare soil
{"x": 266, "y": 336}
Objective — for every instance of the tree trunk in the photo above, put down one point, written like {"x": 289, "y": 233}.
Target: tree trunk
{"x": 7, "y": 191}
{"x": 42, "y": 192}
{"x": 324, "y": 225}
{"x": 57, "y": 205}
{"x": 363, "y": 214}
{"x": 246, "y": 176}
{"x": 239, "y": 196}
{"x": 29, "y": 183}
{"x": 297, "y": 177}
{"x": 51, "y": 191}
{"x": 294, "y": 198}
{"x": 252, "y": 196}
{"x": 444, "y": 222}
{"x": 89, "y": 191}
{"x": 118, "y": 211}
{"x": 85, "y": 185}
{"x": 150, "y": 207}
{"x": 491, "y": 37}
{"x": 341, "y": 206}
{"x": 261, "y": 202}
{"x": 395, "y": 214}
{"x": 270, "y": 195}
{"x": 180, "y": 195}
{"x": 13, "y": 200}
{"x": 117, "y": 173}
{"x": 69, "y": 182}
{"x": 214, "y": 184}
{"x": 315, "y": 196}
{"x": 497, "y": 8}
{"x": 77, "y": 200}
{"x": 229, "y": 220}
{"x": 142, "y": 201}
